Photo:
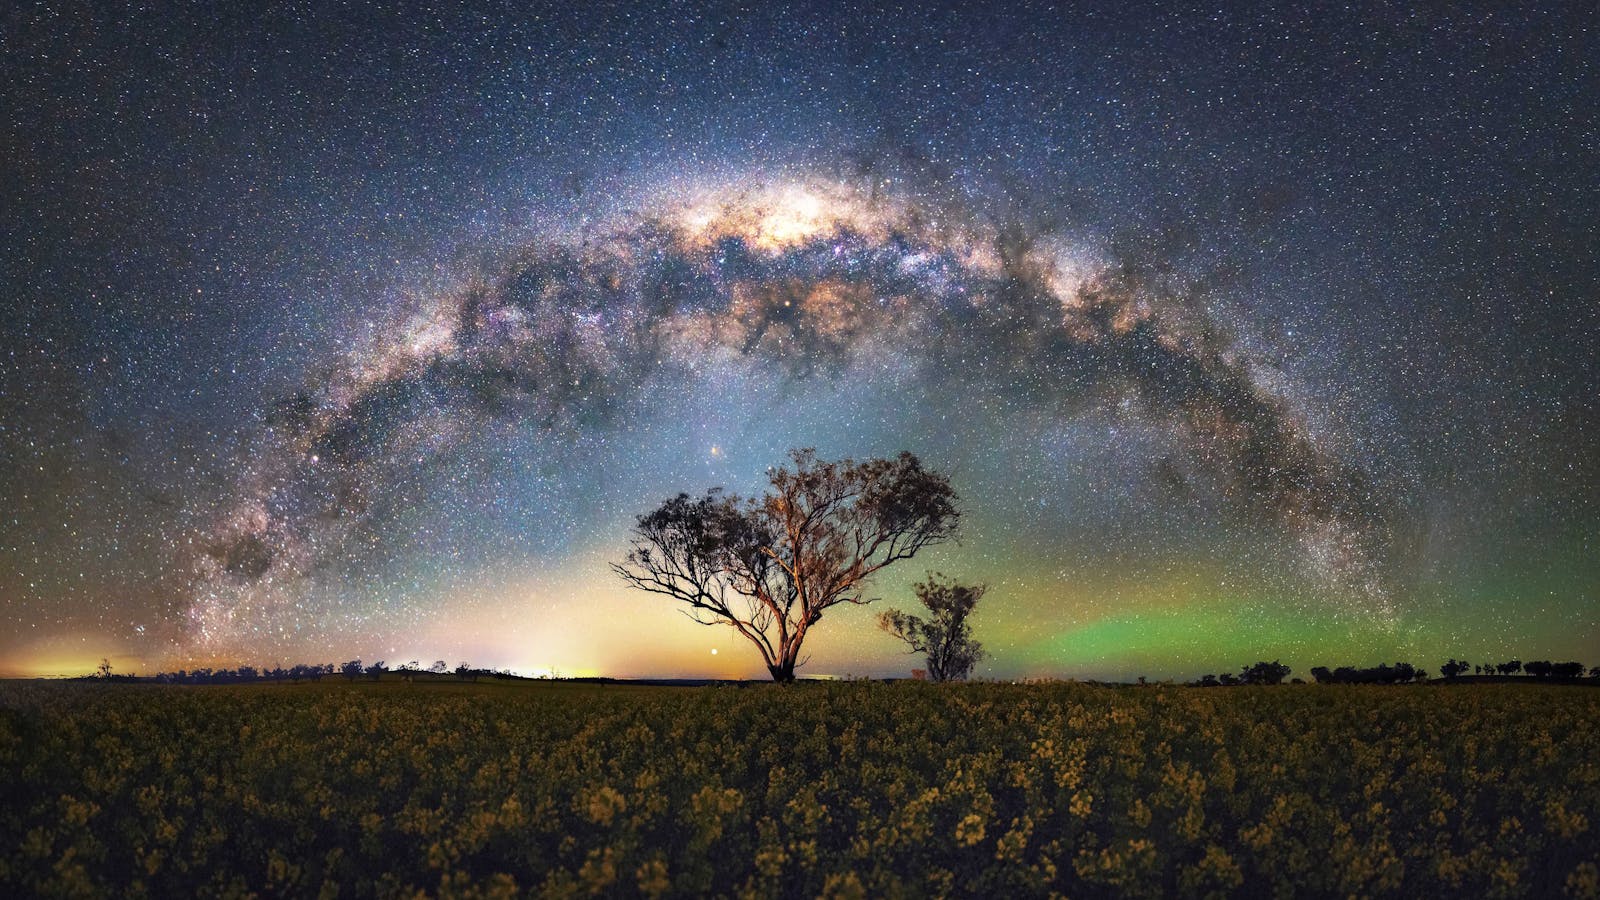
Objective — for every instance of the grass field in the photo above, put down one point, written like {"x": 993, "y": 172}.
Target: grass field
{"x": 841, "y": 789}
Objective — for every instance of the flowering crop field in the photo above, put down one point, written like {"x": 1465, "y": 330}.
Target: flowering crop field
{"x": 840, "y": 789}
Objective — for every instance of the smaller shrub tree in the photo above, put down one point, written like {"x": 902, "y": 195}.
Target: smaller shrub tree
{"x": 945, "y": 637}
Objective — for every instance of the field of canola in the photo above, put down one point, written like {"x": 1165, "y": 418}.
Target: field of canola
{"x": 837, "y": 790}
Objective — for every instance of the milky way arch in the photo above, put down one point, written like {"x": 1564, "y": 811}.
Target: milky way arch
{"x": 804, "y": 278}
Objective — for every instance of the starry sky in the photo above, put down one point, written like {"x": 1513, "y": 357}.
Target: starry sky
{"x": 341, "y": 329}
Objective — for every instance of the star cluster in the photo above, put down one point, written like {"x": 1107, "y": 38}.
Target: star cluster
{"x": 365, "y": 332}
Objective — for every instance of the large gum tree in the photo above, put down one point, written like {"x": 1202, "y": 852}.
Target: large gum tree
{"x": 769, "y": 566}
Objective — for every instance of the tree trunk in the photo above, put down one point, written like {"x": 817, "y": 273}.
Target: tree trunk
{"x": 783, "y": 671}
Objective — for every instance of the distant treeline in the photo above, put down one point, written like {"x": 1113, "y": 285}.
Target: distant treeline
{"x": 352, "y": 670}
{"x": 1400, "y": 673}
{"x": 1538, "y": 668}
{"x": 1273, "y": 672}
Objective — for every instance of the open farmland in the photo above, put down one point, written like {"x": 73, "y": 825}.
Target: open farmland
{"x": 840, "y": 789}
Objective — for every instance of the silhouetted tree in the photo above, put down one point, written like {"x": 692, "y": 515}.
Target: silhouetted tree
{"x": 466, "y": 672}
{"x": 1452, "y": 668}
{"x": 1383, "y": 673}
{"x": 945, "y": 637}
{"x": 351, "y": 669}
{"x": 1539, "y": 668}
{"x": 1509, "y": 668}
{"x": 1566, "y": 670}
{"x": 439, "y": 667}
{"x": 376, "y": 670}
{"x": 1265, "y": 673}
{"x": 770, "y": 566}
{"x": 1594, "y": 672}
{"x": 105, "y": 668}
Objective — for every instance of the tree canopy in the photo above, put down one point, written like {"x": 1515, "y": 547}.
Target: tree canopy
{"x": 769, "y": 566}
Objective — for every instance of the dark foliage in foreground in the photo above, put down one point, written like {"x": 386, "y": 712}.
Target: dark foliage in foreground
{"x": 845, "y": 789}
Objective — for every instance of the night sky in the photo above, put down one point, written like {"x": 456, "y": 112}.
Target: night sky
{"x": 333, "y": 331}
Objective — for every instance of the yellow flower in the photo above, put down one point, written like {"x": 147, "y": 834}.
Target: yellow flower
{"x": 652, "y": 878}
{"x": 1082, "y": 803}
{"x": 604, "y": 804}
{"x": 1584, "y": 882}
{"x": 970, "y": 830}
